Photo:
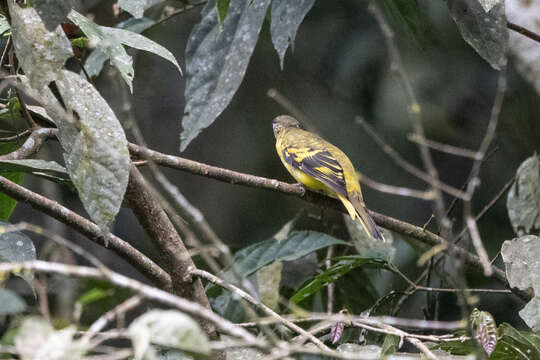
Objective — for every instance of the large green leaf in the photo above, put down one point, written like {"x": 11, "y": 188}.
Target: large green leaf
{"x": 41, "y": 53}
{"x": 47, "y": 169}
{"x": 53, "y": 12}
{"x": 515, "y": 345}
{"x": 343, "y": 265}
{"x": 523, "y": 271}
{"x": 4, "y": 24}
{"x": 485, "y": 31}
{"x": 111, "y": 40}
{"x": 286, "y": 19}
{"x": 295, "y": 245}
{"x": 523, "y": 202}
{"x": 167, "y": 328}
{"x": 17, "y": 247}
{"x": 217, "y": 57}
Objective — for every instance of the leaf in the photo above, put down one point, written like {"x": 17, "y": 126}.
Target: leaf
{"x": 487, "y": 5}
{"x": 368, "y": 247}
{"x": 95, "y": 61}
{"x": 10, "y": 303}
{"x": 97, "y": 158}
{"x": 8, "y": 204}
{"x": 222, "y": 8}
{"x": 244, "y": 353}
{"x": 4, "y": 24}
{"x": 53, "y": 12}
{"x": 484, "y": 330}
{"x": 336, "y": 331}
{"x": 49, "y": 170}
{"x": 294, "y": 246}
{"x": 485, "y": 31}
{"x": 520, "y": 258}
{"x": 167, "y": 328}
{"x": 137, "y": 7}
{"x": 37, "y": 339}
{"x": 41, "y": 53}
{"x": 216, "y": 61}
{"x": 409, "y": 12}
{"x": 343, "y": 265}
{"x": 389, "y": 346}
{"x": 17, "y": 247}
{"x": 286, "y": 19}
{"x": 525, "y": 51}
{"x": 515, "y": 345}
{"x": 523, "y": 201}
{"x": 268, "y": 281}
{"x": 111, "y": 40}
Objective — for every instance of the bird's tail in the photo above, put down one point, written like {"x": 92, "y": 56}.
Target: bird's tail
{"x": 356, "y": 209}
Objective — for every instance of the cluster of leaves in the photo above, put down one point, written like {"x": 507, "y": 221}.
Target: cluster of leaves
{"x": 219, "y": 49}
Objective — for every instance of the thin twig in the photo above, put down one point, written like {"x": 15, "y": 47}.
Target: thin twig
{"x": 288, "y": 106}
{"x": 395, "y": 190}
{"x": 449, "y": 149}
{"x": 525, "y": 32}
{"x": 331, "y": 287}
{"x": 16, "y": 137}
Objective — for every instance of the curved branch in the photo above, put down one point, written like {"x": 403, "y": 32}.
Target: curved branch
{"x": 133, "y": 256}
{"x": 31, "y": 145}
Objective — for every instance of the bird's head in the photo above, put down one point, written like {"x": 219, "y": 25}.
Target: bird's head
{"x": 283, "y": 122}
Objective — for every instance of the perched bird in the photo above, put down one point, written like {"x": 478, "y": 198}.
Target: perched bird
{"x": 321, "y": 166}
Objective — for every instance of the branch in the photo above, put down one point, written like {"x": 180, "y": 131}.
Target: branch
{"x": 133, "y": 256}
{"x": 525, "y": 32}
{"x": 31, "y": 145}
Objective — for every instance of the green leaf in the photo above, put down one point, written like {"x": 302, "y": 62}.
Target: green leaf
{"x": 95, "y": 61}
{"x": 34, "y": 167}
{"x": 368, "y": 247}
{"x": 10, "y": 303}
{"x": 93, "y": 295}
{"x": 222, "y": 8}
{"x": 8, "y": 204}
{"x": 137, "y": 7}
{"x": 111, "y": 40}
{"x": 53, "y": 12}
{"x": 17, "y": 247}
{"x": 216, "y": 61}
{"x": 268, "y": 281}
{"x": 515, "y": 345}
{"x": 343, "y": 265}
{"x": 389, "y": 346}
{"x": 41, "y": 53}
{"x": 526, "y": 53}
{"x": 520, "y": 258}
{"x": 4, "y": 24}
{"x": 295, "y": 245}
{"x": 484, "y": 330}
{"x": 286, "y": 19}
{"x": 523, "y": 201}
{"x": 409, "y": 12}
{"x": 167, "y": 328}
{"x": 485, "y": 31}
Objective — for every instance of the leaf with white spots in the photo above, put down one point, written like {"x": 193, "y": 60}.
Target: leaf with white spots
{"x": 110, "y": 41}
{"x": 53, "y": 12}
{"x": 137, "y": 7}
{"x": 217, "y": 56}
{"x": 286, "y": 18}
{"x": 523, "y": 201}
{"x": 17, "y": 247}
{"x": 485, "y": 31}
{"x": 41, "y": 53}
{"x": 523, "y": 271}
{"x": 525, "y": 51}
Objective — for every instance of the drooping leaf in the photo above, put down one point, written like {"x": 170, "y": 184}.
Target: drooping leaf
{"x": 515, "y": 345}
{"x": 389, "y": 346}
{"x": 523, "y": 201}
{"x": 110, "y": 41}
{"x": 41, "y": 53}
{"x": 216, "y": 61}
{"x": 10, "y": 303}
{"x": 137, "y": 7}
{"x": 268, "y": 280}
{"x": 167, "y": 328}
{"x": 53, "y": 12}
{"x": 296, "y": 245}
{"x": 34, "y": 166}
{"x": 485, "y": 31}
{"x": 368, "y": 247}
{"x": 286, "y": 19}
{"x": 525, "y": 51}
{"x": 484, "y": 330}
{"x": 343, "y": 265}
{"x": 523, "y": 271}
{"x": 37, "y": 339}
{"x": 95, "y": 61}
{"x": 17, "y": 247}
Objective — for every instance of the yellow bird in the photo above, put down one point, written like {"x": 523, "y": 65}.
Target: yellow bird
{"x": 322, "y": 166}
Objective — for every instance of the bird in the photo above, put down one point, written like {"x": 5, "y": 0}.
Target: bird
{"x": 323, "y": 167}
